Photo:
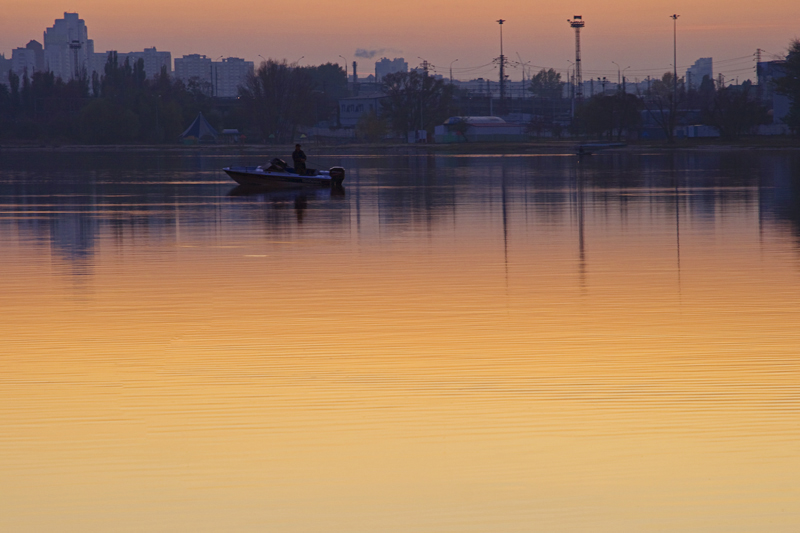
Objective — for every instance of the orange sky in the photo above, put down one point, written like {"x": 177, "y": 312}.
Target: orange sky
{"x": 638, "y": 34}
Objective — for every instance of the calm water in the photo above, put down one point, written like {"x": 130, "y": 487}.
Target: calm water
{"x": 456, "y": 343}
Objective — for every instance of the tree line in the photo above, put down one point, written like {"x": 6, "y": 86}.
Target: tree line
{"x": 123, "y": 105}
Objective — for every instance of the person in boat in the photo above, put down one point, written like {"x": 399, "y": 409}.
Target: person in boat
{"x": 299, "y": 158}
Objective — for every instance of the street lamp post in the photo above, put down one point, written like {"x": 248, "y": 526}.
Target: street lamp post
{"x": 619, "y": 75}
{"x": 451, "y": 70}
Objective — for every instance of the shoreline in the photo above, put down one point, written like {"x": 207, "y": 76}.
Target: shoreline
{"x": 544, "y": 147}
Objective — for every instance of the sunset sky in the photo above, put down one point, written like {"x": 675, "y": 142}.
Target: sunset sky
{"x": 638, "y": 34}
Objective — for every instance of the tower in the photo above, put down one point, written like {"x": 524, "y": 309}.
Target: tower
{"x": 577, "y": 23}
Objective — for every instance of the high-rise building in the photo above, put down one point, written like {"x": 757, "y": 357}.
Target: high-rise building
{"x": 222, "y": 78}
{"x": 228, "y": 75}
{"x": 694, "y": 75}
{"x": 5, "y": 66}
{"x": 386, "y": 66}
{"x": 28, "y": 59}
{"x": 67, "y": 47}
{"x": 193, "y": 66}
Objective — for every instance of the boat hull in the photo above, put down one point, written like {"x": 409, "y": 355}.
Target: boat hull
{"x": 257, "y": 177}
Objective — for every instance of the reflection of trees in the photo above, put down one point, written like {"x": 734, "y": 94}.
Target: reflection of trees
{"x": 783, "y": 195}
{"x": 70, "y": 201}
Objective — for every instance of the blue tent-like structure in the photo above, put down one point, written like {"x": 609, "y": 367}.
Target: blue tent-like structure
{"x": 200, "y": 130}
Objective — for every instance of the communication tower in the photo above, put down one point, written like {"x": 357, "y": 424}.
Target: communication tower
{"x": 577, "y": 23}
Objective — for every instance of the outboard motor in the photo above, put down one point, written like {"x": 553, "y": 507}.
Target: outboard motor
{"x": 278, "y": 164}
{"x": 337, "y": 176}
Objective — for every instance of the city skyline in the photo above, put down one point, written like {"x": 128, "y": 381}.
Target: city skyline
{"x": 630, "y": 35}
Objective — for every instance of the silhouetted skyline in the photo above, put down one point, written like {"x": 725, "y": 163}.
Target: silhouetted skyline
{"x": 628, "y": 33}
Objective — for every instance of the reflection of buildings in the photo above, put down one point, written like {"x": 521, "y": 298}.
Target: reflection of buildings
{"x": 101, "y": 199}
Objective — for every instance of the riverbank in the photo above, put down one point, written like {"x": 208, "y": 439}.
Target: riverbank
{"x": 543, "y": 147}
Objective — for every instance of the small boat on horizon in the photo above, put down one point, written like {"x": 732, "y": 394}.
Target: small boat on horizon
{"x": 279, "y": 176}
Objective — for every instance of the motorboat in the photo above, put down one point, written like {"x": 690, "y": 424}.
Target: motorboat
{"x": 278, "y": 175}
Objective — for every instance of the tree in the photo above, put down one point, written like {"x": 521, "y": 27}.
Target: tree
{"x": 735, "y": 111}
{"x": 547, "y": 84}
{"x": 663, "y": 103}
{"x": 371, "y": 127}
{"x": 280, "y": 98}
{"x": 416, "y": 101}
{"x": 604, "y": 114}
{"x": 330, "y": 84}
{"x": 789, "y": 85}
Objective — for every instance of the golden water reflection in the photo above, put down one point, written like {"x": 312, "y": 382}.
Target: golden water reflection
{"x": 551, "y": 358}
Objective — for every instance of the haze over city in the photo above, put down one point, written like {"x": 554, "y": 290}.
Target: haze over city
{"x": 630, "y": 33}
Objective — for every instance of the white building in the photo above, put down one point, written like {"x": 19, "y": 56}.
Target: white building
{"x": 28, "y": 59}
{"x": 153, "y": 61}
{"x": 67, "y": 47}
{"x": 222, "y": 77}
{"x": 193, "y": 66}
{"x": 229, "y": 74}
{"x": 702, "y": 67}
{"x": 353, "y": 108}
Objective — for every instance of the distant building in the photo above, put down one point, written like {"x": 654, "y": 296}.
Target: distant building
{"x": 228, "y": 75}
{"x": 779, "y": 104}
{"x": 386, "y": 66}
{"x": 5, "y": 66}
{"x": 702, "y": 67}
{"x": 351, "y": 109}
{"x": 222, "y": 78}
{"x": 193, "y": 66}
{"x": 153, "y": 61}
{"x": 28, "y": 59}
{"x": 67, "y": 47}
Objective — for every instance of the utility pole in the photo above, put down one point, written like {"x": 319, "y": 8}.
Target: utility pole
{"x": 577, "y": 23}
{"x": 502, "y": 64}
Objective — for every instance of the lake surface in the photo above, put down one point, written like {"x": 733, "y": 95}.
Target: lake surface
{"x": 504, "y": 343}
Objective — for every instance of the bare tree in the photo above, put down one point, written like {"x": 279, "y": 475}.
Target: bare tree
{"x": 280, "y": 98}
{"x": 663, "y": 102}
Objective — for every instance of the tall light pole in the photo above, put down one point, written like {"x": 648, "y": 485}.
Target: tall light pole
{"x": 577, "y": 23}
{"x": 451, "y": 70}
{"x": 502, "y": 63}
{"x": 619, "y": 75}
{"x": 674, "y": 55}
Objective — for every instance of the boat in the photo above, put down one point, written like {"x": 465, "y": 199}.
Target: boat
{"x": 279, "y": 176}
